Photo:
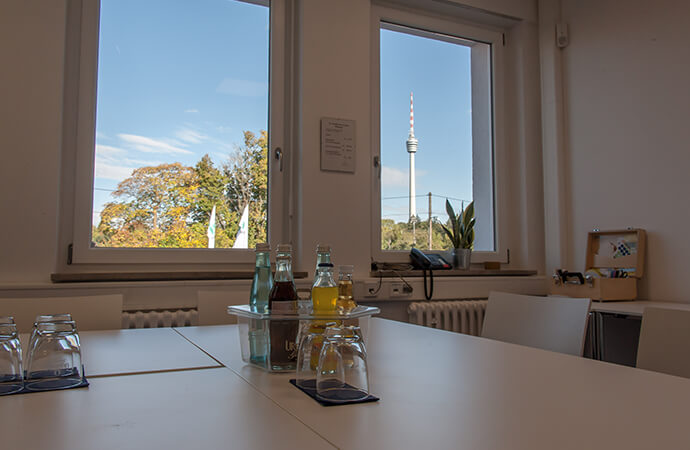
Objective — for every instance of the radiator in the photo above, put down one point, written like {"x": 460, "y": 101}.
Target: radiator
{"x": 160, "y": 318}
{"x": 463, "y": 316}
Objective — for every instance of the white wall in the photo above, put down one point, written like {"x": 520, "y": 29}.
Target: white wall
{"x": 31, "y": 75}
{"x": 334, "y": 62}
{"x": 625, "y": 76}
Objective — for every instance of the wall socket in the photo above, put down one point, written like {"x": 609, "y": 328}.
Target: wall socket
{"x": 400, "y": 290}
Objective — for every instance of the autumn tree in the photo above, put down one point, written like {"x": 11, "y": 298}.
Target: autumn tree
{"x": 170, "y": 205}
{"x": 153, "y": 210}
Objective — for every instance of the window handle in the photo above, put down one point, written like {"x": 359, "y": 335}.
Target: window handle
{"x": 377, "y": 164}
{"x": 279, "y": 157}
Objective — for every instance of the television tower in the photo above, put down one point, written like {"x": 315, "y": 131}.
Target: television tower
{"x": 412, "y": 149}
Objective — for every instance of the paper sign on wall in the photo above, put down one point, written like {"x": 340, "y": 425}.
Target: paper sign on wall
{"x": 338, "y": 145}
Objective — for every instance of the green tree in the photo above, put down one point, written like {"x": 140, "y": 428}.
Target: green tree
{"x": 247, "y": 172}
{"x": 213, "y": 184}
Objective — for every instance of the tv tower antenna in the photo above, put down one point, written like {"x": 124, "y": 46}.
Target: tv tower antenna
{"x": 411, "y": 150}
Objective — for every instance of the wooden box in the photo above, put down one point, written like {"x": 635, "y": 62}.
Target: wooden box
{"x": 609, "y": 250}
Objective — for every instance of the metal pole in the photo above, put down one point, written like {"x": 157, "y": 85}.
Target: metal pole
{"x": 430, "y": 221}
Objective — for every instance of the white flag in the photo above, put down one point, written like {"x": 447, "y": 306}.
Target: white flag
{"x": 211, "y": 232}
{"x": 242, "y": 238}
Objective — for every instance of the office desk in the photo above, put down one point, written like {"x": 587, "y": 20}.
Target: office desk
{"x": 634, "y": 310}
{"x": 446, "y": 390}
{"x": 121, "y": 352}
{"x": 195, "y": 409}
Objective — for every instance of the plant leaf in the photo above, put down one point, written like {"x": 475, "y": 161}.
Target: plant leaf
{"x": 451, "y": 216}
{"x": 469, "y": 214}
{"x": 450, "y": 235}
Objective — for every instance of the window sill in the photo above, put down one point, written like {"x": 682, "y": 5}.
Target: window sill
{"x": 453, "y": 273}
{"x": 156, "y": 276}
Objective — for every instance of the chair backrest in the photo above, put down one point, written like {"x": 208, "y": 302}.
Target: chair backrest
{"x": 664, "y": 344}
{"x": 213, "y": 306}
{"x": 97, "y": 312}
{"x": 550, "y": 323}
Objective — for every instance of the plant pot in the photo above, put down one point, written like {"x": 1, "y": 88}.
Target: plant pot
{"x": 461, "y": 258}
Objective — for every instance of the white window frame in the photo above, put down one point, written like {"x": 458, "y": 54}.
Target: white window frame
{"x": 460, "y": 30}
{"x": 86, "y": 13}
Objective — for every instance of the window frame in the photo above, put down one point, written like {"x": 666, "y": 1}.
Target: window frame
{"x": 461, "y": 30}
{"x": 85, "y": 67}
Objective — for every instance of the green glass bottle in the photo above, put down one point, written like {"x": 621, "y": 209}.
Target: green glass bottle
{"x": 258, "y": 302}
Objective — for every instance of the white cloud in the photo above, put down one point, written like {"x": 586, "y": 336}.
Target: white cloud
{"x": 392, "y": 178}
{"x": 190, "y": 136}
{"x": 244, "y": 88}
{"x": 149, "y": 145}
{"x": 108, "y": 151}
{"x": 192, "y": 111}
{"x": 109, "y": 171}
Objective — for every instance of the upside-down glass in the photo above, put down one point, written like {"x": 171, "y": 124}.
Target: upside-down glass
{"x": 54, "y": 357}
{"x": 342, "y": 375}
{"x": 310, "y": 343}
{"x": 47, "y": 318}
{"x": 11, "y": 375}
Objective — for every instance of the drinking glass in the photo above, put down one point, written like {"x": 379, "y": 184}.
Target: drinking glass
{"x": 342, "y": 375}
{"x": 54, "y": 357}
{"x": 47, "y": 318}
{"x": 310, "y": 343}
{"x": 11, "y": 375}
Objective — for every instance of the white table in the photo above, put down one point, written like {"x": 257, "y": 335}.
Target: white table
{"x": 122, "y": 352}
{"x": 630, "y": 309}
{"x": 635, "y": 308}
{"x": 445, "y": 390}
{"x": 196, "y": 409}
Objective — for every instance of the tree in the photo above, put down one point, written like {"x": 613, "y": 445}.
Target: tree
{"x": 399, "y": 236}
{"x": 247, "y": 172}
{"x": 213, "y": 184}
{"x": 155, "y": 207}
{"x": 170, "y": 205}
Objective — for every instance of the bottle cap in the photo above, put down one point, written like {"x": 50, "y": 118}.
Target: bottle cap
{"x": 284, "y": 248}
{"x": 263, "y": 247}
{"x": 323, "y": 248}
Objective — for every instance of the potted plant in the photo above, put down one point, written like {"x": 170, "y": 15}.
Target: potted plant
{"x": 461, "y": 234}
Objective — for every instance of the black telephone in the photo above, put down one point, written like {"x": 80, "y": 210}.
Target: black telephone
{"x": 429, "y": 261}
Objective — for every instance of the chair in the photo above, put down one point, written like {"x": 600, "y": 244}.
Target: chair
{"x": 664, "y": 344}
{"x": 213, "y": 306}
{"x": 97, "y": 312}
{"x": 550, "y": 323}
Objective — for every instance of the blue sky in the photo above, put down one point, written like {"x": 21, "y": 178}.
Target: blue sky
{"x": 179, "y": 79}
{"x": 438, "y": 73}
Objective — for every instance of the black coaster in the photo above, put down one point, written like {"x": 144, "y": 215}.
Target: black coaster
{"x": 343, "y": 395}
{"x": 64, "y": 380}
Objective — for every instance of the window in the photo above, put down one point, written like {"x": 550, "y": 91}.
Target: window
{"x": 174, "y": 131}
{"x": 435, "y": 132}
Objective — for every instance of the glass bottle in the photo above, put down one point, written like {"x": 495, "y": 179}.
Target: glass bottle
{"x": 345, "y": 300}
{"x": 258, "y": 302}
{"x": 263, "y": 279}
{"x": 283, "y": 300}
{"x": 324, "y": 296}
{"x": 323, "y": 255}
{"x": 324, "y": 292}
